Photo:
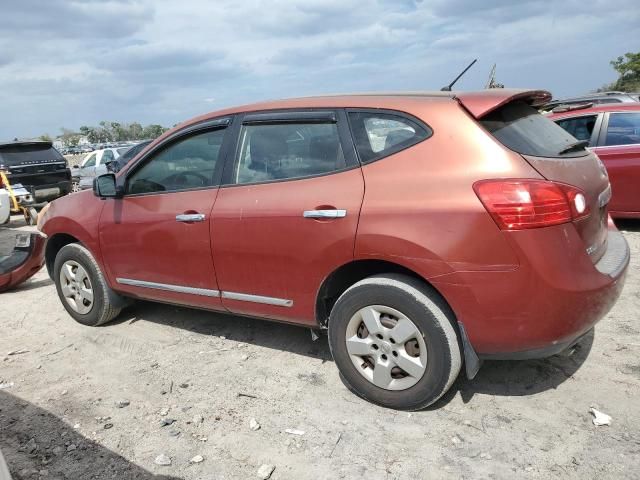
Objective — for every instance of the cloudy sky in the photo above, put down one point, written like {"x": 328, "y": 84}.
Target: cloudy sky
{"x": 76, "y": 62}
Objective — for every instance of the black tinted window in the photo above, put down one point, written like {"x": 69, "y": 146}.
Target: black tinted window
{"x": 17, "y": 154}
{"x": 289, "y": 150}
{"x": 380, "y": 134}
{"x": 579, "y": 127}
{"x": 624, "y": 129}
{"x": 184, "y": 164}
{"x": 522, "y": 129}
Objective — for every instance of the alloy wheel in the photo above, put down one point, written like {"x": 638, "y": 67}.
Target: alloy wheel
{"x": 76, "y": 287}
{"x": 386, "y": 347}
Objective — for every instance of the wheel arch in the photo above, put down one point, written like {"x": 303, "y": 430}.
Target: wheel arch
{"x": 54, "y": 244}
{"x": 348, "y": 274}
{"x": 338, "y": 281}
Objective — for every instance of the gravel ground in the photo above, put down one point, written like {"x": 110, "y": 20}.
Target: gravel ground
{"x": 194, "y": 381}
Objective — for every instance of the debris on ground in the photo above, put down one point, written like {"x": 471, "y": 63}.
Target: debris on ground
{"x": 293, "y": 431}
{"x": 17, "y": 352}
{"x": 254, "y": 425}
{"x": 163, "y": 460}
{"x": 197, "y": 459}
{"x": 122, "y": 403}
{"x": 167, "y": 421}
{"x": 600, "y": 418}
{"x": 164, "y": 411}
{"x": 72, "y": 447}
{"x": 265, "y": 471}
{"x": 31, "y": 446}
{"x": 198, "y": 419}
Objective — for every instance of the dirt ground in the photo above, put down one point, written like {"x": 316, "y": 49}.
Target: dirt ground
{"x": 194, "y": 380}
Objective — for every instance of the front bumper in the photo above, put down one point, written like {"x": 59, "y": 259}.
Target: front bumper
{"x": 23, "y": 262}
{"x": 544, "y": 306}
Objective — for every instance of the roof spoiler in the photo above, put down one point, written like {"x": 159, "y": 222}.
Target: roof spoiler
{"x": 482, "y": 102}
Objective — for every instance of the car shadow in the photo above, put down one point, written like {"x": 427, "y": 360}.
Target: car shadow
{"x": 505, "y": 378}
{"x": 520, "y": 377}
{"x": 273, "y": 335}
{"x": 628, "y": 225}
{"x": 33, "y": 440}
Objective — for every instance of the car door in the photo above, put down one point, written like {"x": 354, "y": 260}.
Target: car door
{"x": 287, "y": 214}
{"x": 619, "y": 148}
{"x": 87, "y": 167}
{"x": 155, "y": 240}
{"x": 101, "y": 166}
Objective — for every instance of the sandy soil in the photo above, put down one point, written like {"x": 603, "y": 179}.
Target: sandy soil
{"x": 211, "y": 374}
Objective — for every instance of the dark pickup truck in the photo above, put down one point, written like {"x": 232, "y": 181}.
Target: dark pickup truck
{"x": 38, "y": 166}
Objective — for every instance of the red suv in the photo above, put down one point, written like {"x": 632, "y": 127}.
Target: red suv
{"x": 420, "y": 230}
{"x": 613, "y": 133}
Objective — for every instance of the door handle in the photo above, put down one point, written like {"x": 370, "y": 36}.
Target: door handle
{"x": 190, "y": 217}
{"x": 324, "y": 213}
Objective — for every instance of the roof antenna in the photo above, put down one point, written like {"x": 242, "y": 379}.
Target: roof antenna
{"x": 448, "y": 87}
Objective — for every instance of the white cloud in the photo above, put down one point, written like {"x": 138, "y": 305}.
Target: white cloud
{"x": 71, "y": 63}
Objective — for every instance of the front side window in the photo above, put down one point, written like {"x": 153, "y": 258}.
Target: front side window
{"x": 286, "y": 151}
{"x": 379, "y": 134}
{"x": 623, "y": 129}
{"x": 107, "y": 156}
{"x": 579, "y": 127}
{"x": 91, "y": 161}
{"x": 185, "y": 164}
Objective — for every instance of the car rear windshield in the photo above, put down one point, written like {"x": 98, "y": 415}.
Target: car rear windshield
{"x": 11, "y": 155}
{"x": 522, "y": 129}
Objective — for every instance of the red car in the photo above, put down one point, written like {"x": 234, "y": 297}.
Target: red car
{"x": 613, "y": 133}
{"x": 420, "y": 230}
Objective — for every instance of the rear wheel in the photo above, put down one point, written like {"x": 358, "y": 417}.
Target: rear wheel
{"x": 393, "y": 340}
{"x": 82, "y": 288}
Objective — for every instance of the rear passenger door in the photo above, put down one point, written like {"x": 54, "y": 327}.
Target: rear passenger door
{"x": 619, "y": 148}
{"x": 287, "y": 213}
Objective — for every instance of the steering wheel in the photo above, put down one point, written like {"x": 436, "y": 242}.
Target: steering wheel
{"x": 180, "y": 178}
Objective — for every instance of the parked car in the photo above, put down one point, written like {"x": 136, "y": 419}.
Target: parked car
{"x": 128, "y": 155}
{"x": 93, "y": 164}
{"x": 600, "y": 98}
{"x": 418, "y": 229}
{"x": 38, "y": 166}
{"x": 613, "y": 133}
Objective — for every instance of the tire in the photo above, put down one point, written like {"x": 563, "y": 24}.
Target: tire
{"x": 433, "y": 347}
{"x": 105, "y": 304}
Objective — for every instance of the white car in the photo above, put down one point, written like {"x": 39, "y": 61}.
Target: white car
{"x": 94, "y": 164}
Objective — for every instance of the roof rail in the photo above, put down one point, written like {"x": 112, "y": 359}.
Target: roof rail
{"x": 569, "y": 108}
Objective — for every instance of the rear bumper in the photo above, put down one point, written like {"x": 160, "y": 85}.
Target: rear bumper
{"x": 545, "y": 305}
{"x": 22, "y": 263}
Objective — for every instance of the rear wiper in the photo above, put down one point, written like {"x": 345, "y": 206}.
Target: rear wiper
{"x": 574, "y": 147}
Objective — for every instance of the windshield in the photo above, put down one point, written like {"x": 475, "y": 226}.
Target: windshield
{"x": 522, "y": 129}
{"x": 28, "y": 154}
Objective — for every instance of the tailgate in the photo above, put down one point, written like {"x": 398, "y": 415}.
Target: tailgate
{"x": 558, "y": 157}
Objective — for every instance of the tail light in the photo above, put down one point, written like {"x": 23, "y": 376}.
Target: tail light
{"x": 521, "y": 204}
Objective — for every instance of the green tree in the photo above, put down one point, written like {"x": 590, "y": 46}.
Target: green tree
{"x": 154, "y": 131}
{"x": 45, "y": 138}
{"x": 628, "y": 67}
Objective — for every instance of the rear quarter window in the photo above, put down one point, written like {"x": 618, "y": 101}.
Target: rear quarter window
{"x": 378, "y": 135}
{"x": 522, "y": 129}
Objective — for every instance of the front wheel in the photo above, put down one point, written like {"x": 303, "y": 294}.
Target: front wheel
{"x": 82, "y": 288}
{"x": 394, "y": 342}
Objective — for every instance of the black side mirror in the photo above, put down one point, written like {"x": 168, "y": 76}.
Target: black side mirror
{"x": 105, "y": 186}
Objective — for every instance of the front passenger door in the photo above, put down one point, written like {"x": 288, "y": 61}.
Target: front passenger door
{"x": 156, "y": 239}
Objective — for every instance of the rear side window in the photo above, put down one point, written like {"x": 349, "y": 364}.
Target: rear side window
{"x": 287, "y": 151}
{"x": 521, "y": 128}
{"x": 579, "y": 127}
{"x": 623, "y": 129}
{"x": 91, "y": 161}
{"x": 107, "y": 156}
{"x": 380, "y": 134}
{"x": 20, "y": 154}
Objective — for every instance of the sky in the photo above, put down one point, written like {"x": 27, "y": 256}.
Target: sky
{"x": 74, "y": 63}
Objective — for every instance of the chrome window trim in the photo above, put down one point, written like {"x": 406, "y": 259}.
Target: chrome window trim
{"x": 169, "y": 288}
{"x": 245, "y": 297}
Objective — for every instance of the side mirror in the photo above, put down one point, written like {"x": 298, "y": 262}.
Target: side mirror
{"x": 105, "y": 186}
